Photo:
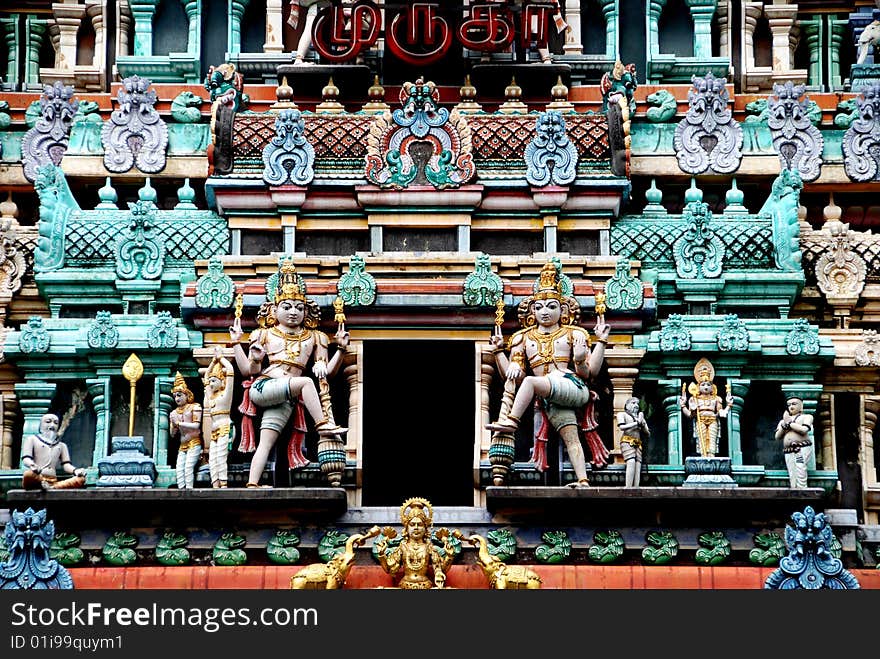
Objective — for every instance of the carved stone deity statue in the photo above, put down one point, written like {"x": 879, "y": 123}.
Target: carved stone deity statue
{"x": 44, "y": 455}
{"x": 416, "y": 563}
{"x": 794, "y": 430}
{"x": 217, "y": 427}
{"x": 279, "y": 352}
{"x": 635, "y": 432}
{"x": 705, "y": 408}
{"x": 556, "y": 351}
{"x": 186, "y": 421}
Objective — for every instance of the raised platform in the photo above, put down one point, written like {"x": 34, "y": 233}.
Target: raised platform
{"x": 668, "y": 506}
{"x": 169, "y": 507}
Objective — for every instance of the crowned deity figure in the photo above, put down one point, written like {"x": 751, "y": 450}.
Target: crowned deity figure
{"x": 217, "y": 426}
{"x": 185, "y": 421}
{"x": 557, "y": 354}
{"x": 280, "y": 350}
{"x": 416, "y": 563}
{"x": 705, "y": 408}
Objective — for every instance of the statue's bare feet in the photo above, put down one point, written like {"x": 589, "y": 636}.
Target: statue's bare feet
{"x": 258, "y": 486}
{"x": 582, "y": 484}
{"x": 328, "y": 428}
{"x": 502, "y": 426}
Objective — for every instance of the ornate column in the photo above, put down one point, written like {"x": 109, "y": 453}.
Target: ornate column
{"x": 670, "y": 390}
{"x": 871, "y": 406}
{"x": 781, "y": 19}
{"x": 354, "y": 379}
{"x": 487, "y": 373}
{"x": 9, "y": 31}
{"x": 95, "y": 13}
{"x": 702, "y": 12}
{"x": 723, "y": 30}
{"x": 738, "y": 389}
{"x": 573, "y": 44}
{"x": 193, "y": 39}
{"x": 274, "y": 27}
{"x": 612, "y": 30}
{"x": 826, "y": 416}
{"x": 655, "y": 8}
{"x": 68, "y": 18}
{"x": 99, "y": 390}
{"x": 143, "y": 11}
{"x": 163, "y": 406}
{"x": 813, "y": 33}
{"x": 809, "y": 393}
{"x": 36, "y": 30}
{"x": 236, "y": 11}
{"x": 34, "y": 399}
{"x": 9, "y": 408}
{"x": 837, "y": 29}
{"x": 123, "y": 16}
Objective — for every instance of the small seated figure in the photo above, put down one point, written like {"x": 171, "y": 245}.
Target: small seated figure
{"x": 416, "y": 562}
{"x": 44, "y": 454}
{"x": 186, "y": 421}
{"x": 562, "y": 363}
{"x": 635, "y": 431}
{"x": 794, "y": 430}
{"x": 705, "y": 408}
{"x": 217, "y": 425}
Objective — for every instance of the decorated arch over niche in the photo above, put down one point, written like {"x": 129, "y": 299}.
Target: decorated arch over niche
{"x": 419, "y": 143}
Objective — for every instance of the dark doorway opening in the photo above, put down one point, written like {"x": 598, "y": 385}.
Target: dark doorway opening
{"x": 418, "y": 418}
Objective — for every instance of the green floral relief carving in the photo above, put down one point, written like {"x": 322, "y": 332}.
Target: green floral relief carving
{"x": 214, "y": 290}
{"x": 139, "y": 255}
{"x": 662, "y": 548}
{"x": 802, "y": 339}
{"x": 56, "y": 205}
{"x": 699, "y": 252}
{"x": 171, "y": 549}
{"x": 675, "y": 335}
{"x": 332, "y": 543}
{"x": 357, "y": 287}
{"x": 65, "y": 549}
{"x": 163, "y": 331}
{"x": 556, "y": 547}
{"x": 608, "y": 546}
{"x": 769, "y": 548}
{"x": 281, "y": 548}
{"x": 185, "y": 108}
{"x": 34, "y": 337}
{"x": 482, "y": 287}
{"x": 119, "y": 549}
{"x": 733, "y": 334}
{"x": 103, "y": 333}
{"x": 623, "y": 292}
{"x": 501, "y": 544}
{"x": 228, "y": 550}
{"x": 714, "y": 548}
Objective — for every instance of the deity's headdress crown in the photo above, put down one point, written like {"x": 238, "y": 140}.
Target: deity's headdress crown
{"x": 416, "y": 507}
{"x": 289, "y": 285}
{"x": 180, "y": 386}
{"x": 217, "y": 371}
{"x": 549, "y": 286}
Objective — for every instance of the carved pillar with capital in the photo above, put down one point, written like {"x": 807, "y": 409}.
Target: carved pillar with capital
{"x": 573, "y": 42}
{"x": 826, "y": 419}
{"x": 274, "y": 27}
{"x": 487, "y": 373}
{"x": 670, "y": 390}
{"x": 164, "y": 403}
{"x": 738, "y": 389}
{"x": 352, "y": 371}
{"x": 871, "y": 406}
{"x": 99, "y": 390}
{"x": 9, "y": 415}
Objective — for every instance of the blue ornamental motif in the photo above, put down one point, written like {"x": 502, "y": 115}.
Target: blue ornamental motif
{"x": 103, "y": 333}
{"x": 28, "y": 538}
{"x": 288, "y": 156}
{"x": 810, "y": 564}
{"x": 138, "y": 254}
{"x": 163, "y": 333}
{"x": 550, "y": 144}
{"x": 34, "y": 336}
{"x": 420, "y": 112}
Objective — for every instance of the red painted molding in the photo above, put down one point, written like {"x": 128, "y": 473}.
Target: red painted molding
{"x": 599, "y": 577}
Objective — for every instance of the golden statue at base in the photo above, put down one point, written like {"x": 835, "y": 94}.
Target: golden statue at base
{"x": 331, "y": 575}
{"x": 705, "y": 407}
{"x": 500, "y": 575}
{"x": 416, "y": 562}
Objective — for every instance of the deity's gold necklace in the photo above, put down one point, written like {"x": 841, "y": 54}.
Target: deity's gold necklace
{"x": 292, "y": 342}
{"x": 546, "y": 343}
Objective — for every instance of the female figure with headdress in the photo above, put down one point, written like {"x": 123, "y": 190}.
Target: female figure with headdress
{"x": 557, "y": 352}
{"x": 705, "y": 407}
{"x": 217, "y": 425}
{"x": 186, "y": 421}
{"x": 288, "y": 340}
{"x": 416, "y": 562}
